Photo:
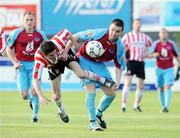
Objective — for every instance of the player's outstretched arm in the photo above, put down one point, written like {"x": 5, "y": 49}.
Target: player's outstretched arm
{"x": 153, "y": 55}
{"x": 118, "y": 78}
{"x": 42, "y": 99}
{"x": 71, "y": 42}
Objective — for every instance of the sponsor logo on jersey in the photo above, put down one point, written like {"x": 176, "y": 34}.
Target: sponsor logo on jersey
{"x": 37, "y": 39}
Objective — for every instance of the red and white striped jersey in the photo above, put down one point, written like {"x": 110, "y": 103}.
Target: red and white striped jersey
{"x": 137, "y": 44}
{"x": 2, "y": 41}
{"x": 60, "y": 40}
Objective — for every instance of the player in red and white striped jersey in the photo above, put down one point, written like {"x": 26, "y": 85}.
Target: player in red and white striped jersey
{"x": 56, "y": 55}
{"x": 136, "y": 45}
{"x": 59, "y": 40}
{"x": 2, "y": 42}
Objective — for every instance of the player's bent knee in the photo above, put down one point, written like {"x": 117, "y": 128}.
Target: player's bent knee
{"x": 111, "y": 93}
{"x": 24, "y": 97}
{"x": 56, "y": 97}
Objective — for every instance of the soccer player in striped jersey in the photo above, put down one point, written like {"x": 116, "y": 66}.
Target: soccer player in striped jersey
{"x": 21, "y": 47}
{"x": 164, "y": 50}
{"x": 55, "y": 55}
{"x": 2, "y": 42}
{"x": 114, "y": 50}
{"x": 136, "y": 44}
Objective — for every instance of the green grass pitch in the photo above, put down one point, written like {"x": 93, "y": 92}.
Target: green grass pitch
{"x": 15, "y": 118}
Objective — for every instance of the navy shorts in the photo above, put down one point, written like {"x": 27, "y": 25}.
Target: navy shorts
{"x": 136, "y": 68}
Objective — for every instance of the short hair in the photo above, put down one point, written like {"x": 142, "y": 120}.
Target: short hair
{"x": 164, "y": 29}
{"x": 47, "y": 47}
{"x": 137, "y": 19}
{"x": 119, "y": 23}
{"x": 28, "y": 13}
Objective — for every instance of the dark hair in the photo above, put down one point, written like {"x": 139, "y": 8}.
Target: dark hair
{"x": 119, "y": 23}
{"x": 47, "y": 47}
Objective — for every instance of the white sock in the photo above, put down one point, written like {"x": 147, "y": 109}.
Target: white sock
{"x": 138, "y": 97}
{"x": 60, "y": 106}
{"x": 125, "y": 94}
{"x": 92, "y": 76}
{"x": 135, "y": 105}
{"x": 123, "y": 105}
{"x": 34, "y": 116}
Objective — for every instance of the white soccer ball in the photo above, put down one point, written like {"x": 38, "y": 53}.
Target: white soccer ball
{"x": 94, "y": 49}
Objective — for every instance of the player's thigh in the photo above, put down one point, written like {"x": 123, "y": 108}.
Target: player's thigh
{"x": 30, "y": 76}
{"x": 169, "y": 77}
{"x": 98, "y": 68}
{"x": 128, "y": 80}
{"x": 55, "y": 85}
{"x": 76, "y": 68}
{"x": 159, "y": 77}
{"x": 22, "y": 80}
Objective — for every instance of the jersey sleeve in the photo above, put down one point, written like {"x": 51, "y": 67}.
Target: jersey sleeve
{"x": 175, "y": 49}
{"x": 3, "y": 41}
{"x": 89, "y": 35}
{"x": 12, "y": 37}
{"x": 125, "y": 40}
{"x": 153, "y": 47}
{"x": 148, "y": 41}
{"x": 40, "y": 63}
{"x": 120, "y": 55}
{"x": 37, "y": 71}
{"x": 42, "y": 34}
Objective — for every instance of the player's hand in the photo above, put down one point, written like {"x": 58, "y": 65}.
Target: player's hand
{"x": 17, "y": 65}
{"x": 148, "y": 56}
{"x": 64, "y": 56}
{"x": 43, "y": 100}
{"x": 116, "y": 86}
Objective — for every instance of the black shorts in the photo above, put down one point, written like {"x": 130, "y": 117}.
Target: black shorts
{"x": 137, "y": 68}
{"x": 57, "y": 69}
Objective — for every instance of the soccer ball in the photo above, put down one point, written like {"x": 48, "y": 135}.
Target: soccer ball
{"x": 94, "y": 49}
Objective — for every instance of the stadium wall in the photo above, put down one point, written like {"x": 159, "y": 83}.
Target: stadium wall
{"x": 69, "y": 81}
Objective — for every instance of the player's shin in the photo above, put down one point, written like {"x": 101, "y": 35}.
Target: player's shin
{"x": 90, "y": 106}
{"x": 105, "y": 102}
{"x": 162, "y": 98}
{"x": 35, "y": 105}
{"x": 125, "y": 93}
{"x": 29, "y": 96}
{"x": 168, "y": 96}
{"x": 60, "y": 106}
{"x": 138, "y": 97}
